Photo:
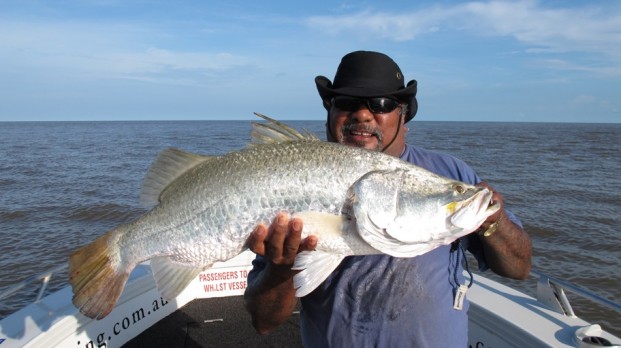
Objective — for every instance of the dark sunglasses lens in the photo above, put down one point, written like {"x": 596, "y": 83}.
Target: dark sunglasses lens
{"x": 382, "y": 105}
{"x": 347, "y": 103}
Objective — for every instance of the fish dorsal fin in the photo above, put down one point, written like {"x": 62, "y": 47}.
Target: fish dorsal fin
{"x": 168, "y": 166}
{"x": 274, "y": 132}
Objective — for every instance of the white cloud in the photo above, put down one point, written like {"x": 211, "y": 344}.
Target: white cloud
{"x": 78, "y": 49}
{"x": 63, "y": 52}
{"x": 563, "y": 64}
{"x": 587, "y": 30}
{"x": 577, "y": 29}
{"x": 400, "y": 26}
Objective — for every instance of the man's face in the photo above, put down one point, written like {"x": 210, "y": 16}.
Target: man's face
{"x": 353, "y": 123}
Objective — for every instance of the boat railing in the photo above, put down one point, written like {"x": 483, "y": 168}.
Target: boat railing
{"x": 44, "y": 278}
{"x": 551, "y": 291}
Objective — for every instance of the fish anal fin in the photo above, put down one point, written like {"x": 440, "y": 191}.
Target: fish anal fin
{"x": 315, "y": 267}
{"x": 168, "y": 166}
{"x": 96, "y": 283}
{"x": 172, "y": 277}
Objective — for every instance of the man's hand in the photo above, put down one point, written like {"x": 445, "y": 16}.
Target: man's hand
{"x": 270, "y": 297}
{"x": 281, "y": 241}
{"x": 508, "y": 250}
{"x": 496, "y": 200}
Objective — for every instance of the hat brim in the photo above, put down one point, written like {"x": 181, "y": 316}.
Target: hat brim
{"x": 407, "y": 94}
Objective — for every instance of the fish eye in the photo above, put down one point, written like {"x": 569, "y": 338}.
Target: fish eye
{"x": 461, "y": 189}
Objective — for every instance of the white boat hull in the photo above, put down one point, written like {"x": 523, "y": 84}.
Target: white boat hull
{"x": 499, "y": 315}
{"x": 56, "y": 322}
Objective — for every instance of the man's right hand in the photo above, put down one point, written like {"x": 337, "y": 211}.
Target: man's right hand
{"x": 270, "y": 297}
{"x": 281, "y": 241}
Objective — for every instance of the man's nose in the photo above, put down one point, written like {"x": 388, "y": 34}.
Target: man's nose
{"x": 363, "y": 114}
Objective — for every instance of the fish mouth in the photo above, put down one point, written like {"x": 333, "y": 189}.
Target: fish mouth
{"x": 471, "y": 212}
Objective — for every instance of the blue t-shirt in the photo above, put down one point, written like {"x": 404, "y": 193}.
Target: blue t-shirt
{"x": 383, "y": 301}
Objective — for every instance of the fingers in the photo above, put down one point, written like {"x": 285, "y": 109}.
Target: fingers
{"x": 277, "y": 244}
{"x": 308, "y": 244}
{"x": 293, "y": 238}
{"x": 256, "y": 240}
{"x": 496, "y": 196}
{"x": 496, "y": 199}
{"x": 281, "y": 241}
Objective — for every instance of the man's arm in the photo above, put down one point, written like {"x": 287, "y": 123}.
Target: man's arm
{"x": 270, "y": 297}
{"x": 508, "y": 250}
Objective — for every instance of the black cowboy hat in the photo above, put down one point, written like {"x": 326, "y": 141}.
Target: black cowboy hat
{"x": 368, "y": 74}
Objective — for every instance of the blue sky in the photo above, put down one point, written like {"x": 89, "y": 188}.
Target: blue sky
{"x": 550, "y": 61}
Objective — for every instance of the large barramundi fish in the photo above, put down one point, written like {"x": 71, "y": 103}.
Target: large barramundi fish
{"x": 357, "y": 202}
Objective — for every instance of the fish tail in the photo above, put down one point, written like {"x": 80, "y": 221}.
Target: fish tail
{"x": 97, "y": 284}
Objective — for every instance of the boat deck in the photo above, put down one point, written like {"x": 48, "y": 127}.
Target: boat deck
{"x": 215, "y": 322}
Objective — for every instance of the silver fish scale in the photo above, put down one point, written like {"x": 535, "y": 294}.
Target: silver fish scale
{"x": 207, "y": 214}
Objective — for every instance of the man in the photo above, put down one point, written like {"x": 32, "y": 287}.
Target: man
{"x": 379, "y": 300}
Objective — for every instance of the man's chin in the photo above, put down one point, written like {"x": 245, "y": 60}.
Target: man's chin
{"x": 367, "y": 144}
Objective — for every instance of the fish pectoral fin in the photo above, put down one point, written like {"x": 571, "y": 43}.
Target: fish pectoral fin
{"x": 167, "y": 167}
{"x": 315, "y": 267}
{"x": 171, "y": 277}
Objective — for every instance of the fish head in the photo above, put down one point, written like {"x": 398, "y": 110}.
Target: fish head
{"x": 398, "y": 207}
{"x": 471, "y": 208}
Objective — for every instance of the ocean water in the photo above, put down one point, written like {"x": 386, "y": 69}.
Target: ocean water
{"x": 62, "y": 184}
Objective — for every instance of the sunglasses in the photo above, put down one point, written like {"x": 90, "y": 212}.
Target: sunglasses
{"x": 379, "y": 105}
